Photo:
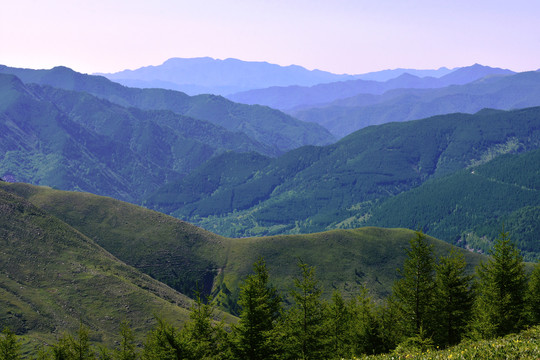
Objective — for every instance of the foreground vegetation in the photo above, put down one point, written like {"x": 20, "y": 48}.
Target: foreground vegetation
{"x": 434, "y": 305}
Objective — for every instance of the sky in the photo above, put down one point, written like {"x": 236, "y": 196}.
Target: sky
{"x": 340, "y": 36}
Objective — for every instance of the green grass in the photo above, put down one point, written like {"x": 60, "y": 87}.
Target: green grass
{"x": 525, "y": 345}
{"x": 184, "y": 256}
{"x": 53, "y": 277}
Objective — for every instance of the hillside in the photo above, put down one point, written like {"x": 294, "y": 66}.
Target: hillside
{"x": 471, "y": 205}
{"x": 183, "y": 256}
{"x": 53, "y": 278}
{"x": 295, "y": 98}
{"x": 501, "y": 92}
{"x": 75, "y": 141}
{"x": 213, "y": 76}
{"x": 270, "y": 127}
{"x": 319, "y": 188}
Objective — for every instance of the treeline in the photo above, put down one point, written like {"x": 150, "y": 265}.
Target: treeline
{"x": 434, "y": 304}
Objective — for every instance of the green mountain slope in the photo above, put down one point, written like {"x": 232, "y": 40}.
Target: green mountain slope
{"x": 501, "y": 92}
{"x": 273, "y": 128}
{"x": 471, "y": 205}
{"x": 52, "y": 278}
{"x": 185, "y": 256}
{"x": 318, "y": 188}
{"x": 75, "y": 141}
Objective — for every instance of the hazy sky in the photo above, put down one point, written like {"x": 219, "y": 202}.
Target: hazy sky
{"x": 341, "y": 36}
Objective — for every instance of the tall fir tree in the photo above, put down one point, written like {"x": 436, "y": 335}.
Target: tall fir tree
{"x": 9, "y": 346}
{"x": 414, "y": 290}
{"x": 304, "y": 329}
{"x": 453, "y": 298}
{"x": 126, "y": 350}
{"x": 500, "y": 303}
{"x": 339, "y": 325}
{"x": 260, "y": 310}
{"x": 533, "y": 296}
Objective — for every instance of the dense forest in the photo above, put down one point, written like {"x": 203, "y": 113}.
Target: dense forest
{"x": 434, "y": 304}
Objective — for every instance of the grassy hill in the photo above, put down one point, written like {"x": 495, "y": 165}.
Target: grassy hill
{"x": 315, "y": 189}
{"x": 270, "y": 127}
{"x": 186, "y": 257}
{"x": 53, "y": 277}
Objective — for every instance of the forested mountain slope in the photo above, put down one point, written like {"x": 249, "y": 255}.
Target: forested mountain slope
{"x": 318, "y": 188}
{"x": 273, "y": 128}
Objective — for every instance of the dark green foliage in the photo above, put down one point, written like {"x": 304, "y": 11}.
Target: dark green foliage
{"x": 126, "y": 350}
{"x": 203, "y": 337}
{"x": 260, "y": 309}
{"x": 470, "y": 204}
{"x": 164, "y": 343}
{"x": 414, "y": 291}
{"x": 453, "y": 299}
{"x": 74, "y": 348}
{"x": 9, "y": 346}
{"x": 339, "y": 324}
{"x": 499, "y": 307}
{"x": 533, "y": 296}
{"x": 303, "y": 327}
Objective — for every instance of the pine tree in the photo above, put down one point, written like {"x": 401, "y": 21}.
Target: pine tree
{"x": 304, "y": 323}
{"x": 260, "y": 309}
{"x": 9, "y": 346}
{"x": 414, "y": 290}
{"x": 340, "y": 326}
{"x": 453, "y": 298}
{"x": 500, "y": 304}
{"x": 164, "y": 343}
{"x": 205, "y": 339}
{"x": 126, "y": 349}
{"x": 533, "y": 296}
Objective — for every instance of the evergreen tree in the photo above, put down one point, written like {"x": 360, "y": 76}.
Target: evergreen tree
{"x": 339, "y": 325}
{"x": 366, "y": 326}
{"x": 164, "y": 343}
{"x": 260, "y": 309}
{"x": 414, "y": 290}
{"x": 453, "y": 298}
{"x": 304, "y": 323}
{"x": 499, "y": 306}
{"x": 126, "y": 349}
{"x": 9, "y": 346}
{"x": 533, "y": 296}
{"x": 204, "y": 338}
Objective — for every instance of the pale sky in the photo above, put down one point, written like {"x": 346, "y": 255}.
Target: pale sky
{"x": 341, "y": 36}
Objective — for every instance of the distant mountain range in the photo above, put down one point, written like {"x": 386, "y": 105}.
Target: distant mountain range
{"x": 276, "y": 130}
{"x": 223, "y": 77}
{"x": 213, "y": 76}
{"x": 498, "y": 92}
{"x": 299, "y": 97}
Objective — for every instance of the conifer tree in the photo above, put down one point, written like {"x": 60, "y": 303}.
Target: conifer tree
{"x": 304, "y": 323}
{"x": 260, "y": 309}
{"x": 340, "y": 326}
{"x": 453, "y": 298}
{"x": 126, "y": 349}
{"x": 205, "y": 339}
{"x": 164, "y": 343}
{"x": 533, "y": 296}
{"x": 499, "y": 306}
{"x": 9, "y": 346}
{"x": 414, "y": 290}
